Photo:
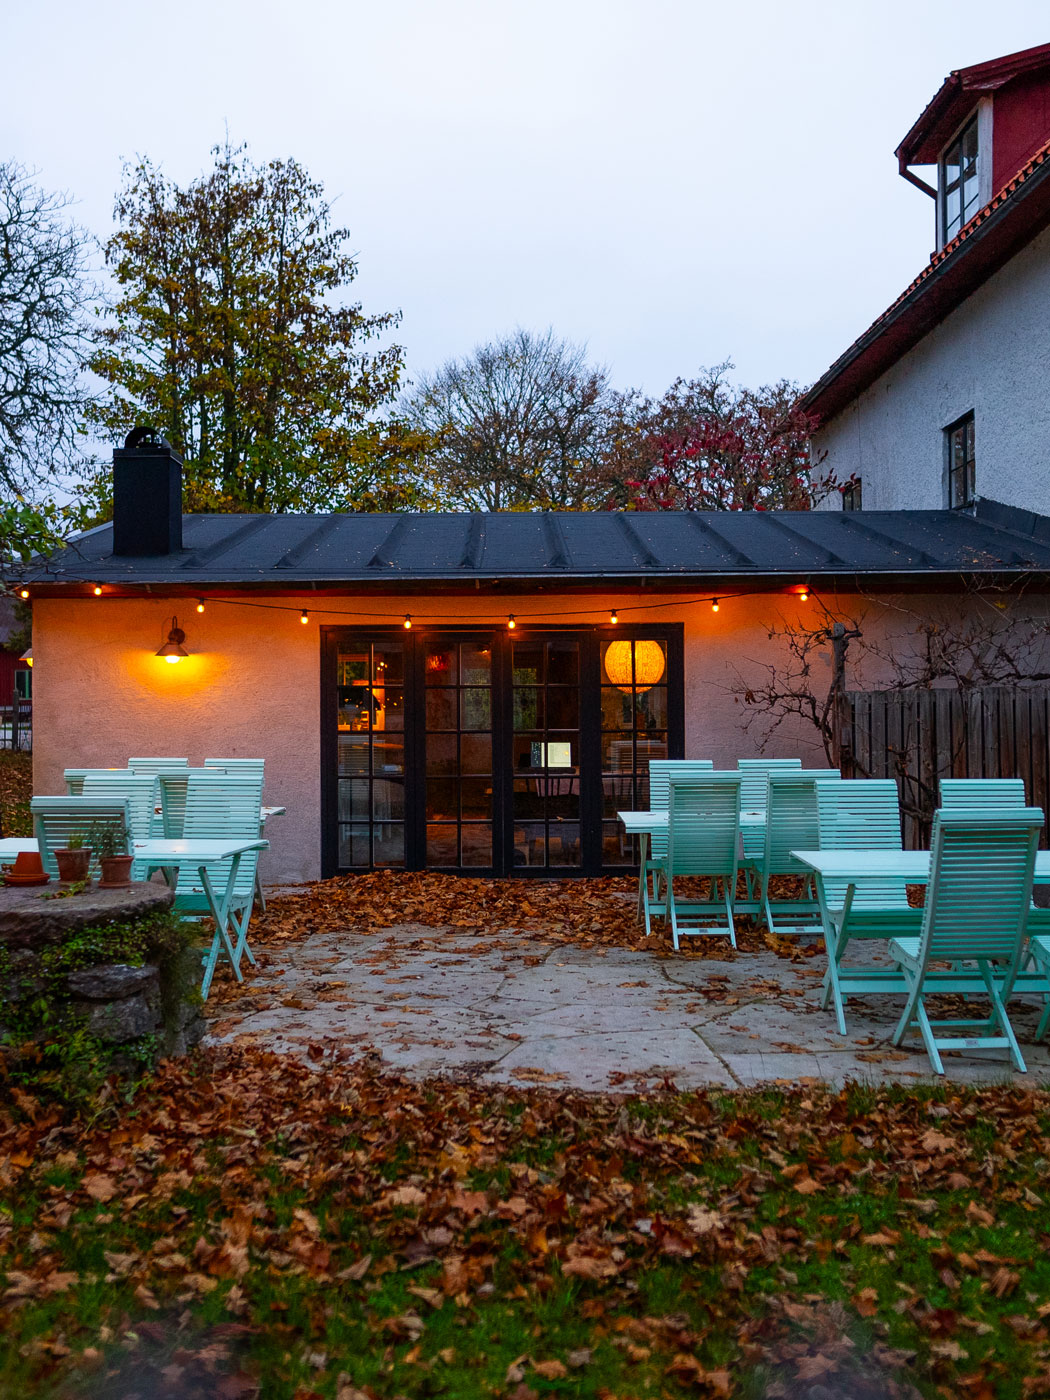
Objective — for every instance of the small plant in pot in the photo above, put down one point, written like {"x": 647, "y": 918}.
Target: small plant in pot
{"x": 74, "y": 858}
{"x": 109, "y": 840}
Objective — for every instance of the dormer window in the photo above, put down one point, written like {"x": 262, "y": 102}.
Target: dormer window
{"x": 960, "y": 195}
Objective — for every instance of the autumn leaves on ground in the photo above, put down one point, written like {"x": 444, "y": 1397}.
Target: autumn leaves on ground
{"x": 251, "y": 1226}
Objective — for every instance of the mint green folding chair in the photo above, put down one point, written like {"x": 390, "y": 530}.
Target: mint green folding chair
{"x": 56, "y": 819}
{"x": 703, "y": 841}
{"x": 249, "y": 767}
{"x": 1039, "y": 955}
{"x": 141, "y": 793}
{"x": 650, "y": 875}
{"x": 791, "y": 825}
{"x": 860, "y": 814}
{"x": 219, "y": 805}
{"x": 754, "y": 798}
{"x": 981, "y": 867}
{"x": 74, "y": 778}
{"x": 981, "y": 794}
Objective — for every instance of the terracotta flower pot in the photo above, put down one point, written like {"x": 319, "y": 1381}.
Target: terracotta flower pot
{"x": 73, "y": 865}
{"x": 116, "y": 871}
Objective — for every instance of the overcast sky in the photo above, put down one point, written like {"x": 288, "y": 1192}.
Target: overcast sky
{"x": 674, "y": 183}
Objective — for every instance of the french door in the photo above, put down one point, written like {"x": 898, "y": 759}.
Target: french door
{"x": 490, "y": 751}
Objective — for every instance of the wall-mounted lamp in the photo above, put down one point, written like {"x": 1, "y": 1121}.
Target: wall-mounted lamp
{"x": 27, "y": 656}
{"x": 173, "y": 650}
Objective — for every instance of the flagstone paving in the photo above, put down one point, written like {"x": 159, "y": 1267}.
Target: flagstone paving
{"x": 513, "y": 1009}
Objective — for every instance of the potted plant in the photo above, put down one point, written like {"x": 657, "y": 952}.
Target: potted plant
{"x": 109, "y": 840}
{"x": 74, "y": 858}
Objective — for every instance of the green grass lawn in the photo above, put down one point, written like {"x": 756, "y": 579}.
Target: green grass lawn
{"x": 250, "y": 1226}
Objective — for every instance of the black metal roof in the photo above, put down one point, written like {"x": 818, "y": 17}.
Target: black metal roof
{"x": 277, "y": 551}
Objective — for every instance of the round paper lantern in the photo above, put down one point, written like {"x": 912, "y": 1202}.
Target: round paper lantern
{"x": 649, "y": 664}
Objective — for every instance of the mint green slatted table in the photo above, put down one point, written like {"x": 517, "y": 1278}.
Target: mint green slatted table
{"x": 851, "y": 867}
{"x": 198, "y": 854}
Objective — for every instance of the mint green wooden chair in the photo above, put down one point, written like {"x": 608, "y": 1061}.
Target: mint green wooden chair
{"x": 74, "y": 778}
{"x": 792, "y": 825}
{"x": 981, "y": 794}
{"x": 141, "y": 792}
{"x": 860, "y": 814}
{"x": 248, "y": 767}
{"x": 754, "y": 797}
{"x": 1039, "y": 955}
{"x": 218, "y": 806}
{"x": 703, "y": 841}
{"x": 660, "y": 771}
{"x": 56, "y": 819}
{"x": 981, "y": 867}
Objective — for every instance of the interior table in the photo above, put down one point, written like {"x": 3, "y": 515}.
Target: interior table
{"x": 170, "y": 855}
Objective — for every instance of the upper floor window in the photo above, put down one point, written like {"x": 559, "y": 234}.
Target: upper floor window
{"x": 959, "y": 183}
{"x": 851, "y": 494}
{"x": 961, "y": 462}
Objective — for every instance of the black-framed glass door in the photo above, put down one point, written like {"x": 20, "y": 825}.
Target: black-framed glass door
{"x": 491, "y": 751}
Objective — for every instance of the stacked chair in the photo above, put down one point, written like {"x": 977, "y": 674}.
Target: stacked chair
{"x": 703, "y": 841}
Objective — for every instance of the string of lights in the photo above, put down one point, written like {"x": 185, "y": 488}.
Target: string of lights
{"x": 511, "y": 620}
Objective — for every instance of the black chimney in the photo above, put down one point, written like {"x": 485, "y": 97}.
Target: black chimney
{"x": 147, "y": 495}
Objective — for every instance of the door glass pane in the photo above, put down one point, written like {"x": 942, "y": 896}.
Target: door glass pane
{"x": 634, "y": 731}
{"x": 441, "y": 709}
{"x": 458, "y": 749}
{"x": 370, "y": 755}
{"x": 545, "y": 752}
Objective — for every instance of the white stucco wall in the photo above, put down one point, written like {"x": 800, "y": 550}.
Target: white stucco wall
{"x": 991, "y": 355}
{"x": 251, "y": 684}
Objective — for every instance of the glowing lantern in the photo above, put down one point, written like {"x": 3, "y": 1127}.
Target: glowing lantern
{"x": 649, "y": 664}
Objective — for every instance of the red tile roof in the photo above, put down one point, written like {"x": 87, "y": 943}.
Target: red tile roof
{"x": 1019, "y": 211}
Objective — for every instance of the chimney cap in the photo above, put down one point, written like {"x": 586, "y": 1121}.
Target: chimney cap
{"x": 146, "y": 437}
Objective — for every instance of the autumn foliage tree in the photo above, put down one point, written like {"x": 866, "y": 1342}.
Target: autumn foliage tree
{"x": 232, "y": 333}
{"x": 710, "y": 445}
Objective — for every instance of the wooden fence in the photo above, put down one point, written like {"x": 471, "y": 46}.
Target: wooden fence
{"x": 16, "y": 724}
{"x": 920, "y": 737}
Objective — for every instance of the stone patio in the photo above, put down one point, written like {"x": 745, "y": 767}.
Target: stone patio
{"x": 513, "y": 1009}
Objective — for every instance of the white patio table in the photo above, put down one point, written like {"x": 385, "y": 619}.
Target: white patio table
{"x": 853, "y": 866}
{"x": 644, "y": 824}
{"x": 169, "y": 855}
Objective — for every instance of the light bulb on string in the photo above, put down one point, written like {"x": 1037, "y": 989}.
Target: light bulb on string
{"x": 803, "y": 592}
{"x": 613, "y": 617}
{"x": 23, "y": 592}
{"x": 714, "y": 604}
{"x": 97, "y": 590}
{"x": 408, "y": 622}
{"x": 200, "y": 605}
{"x": 304, "y": 617}
{"x": 511, "y": 624}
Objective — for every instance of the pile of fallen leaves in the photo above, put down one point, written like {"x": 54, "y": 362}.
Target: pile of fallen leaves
{"x": 585, "y": 912}
{"x": 251, "y": 1226}
{"x": 16, "y": 788}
